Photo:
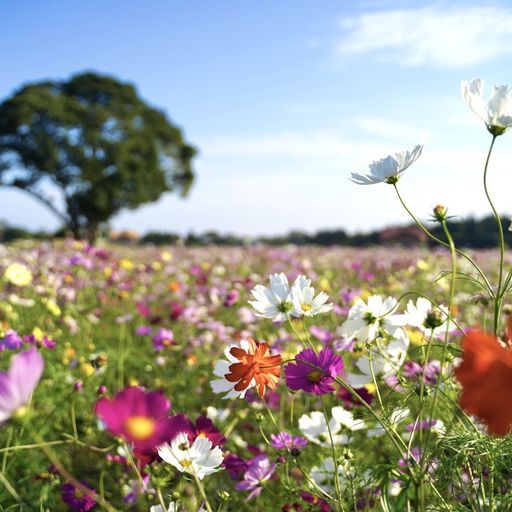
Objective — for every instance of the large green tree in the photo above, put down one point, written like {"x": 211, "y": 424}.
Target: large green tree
{"x": 96, "y": 141}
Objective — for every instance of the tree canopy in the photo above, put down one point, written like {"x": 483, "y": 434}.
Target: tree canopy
{"x": 95, "y": 140}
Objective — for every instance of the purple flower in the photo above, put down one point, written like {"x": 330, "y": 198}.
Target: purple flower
{"x": 11, "y": 341}
{"x": 76, "y": 499}
{"x": 143, "y": 330}
{"x": 231, "y": 298}
{"x": 259, "y": 471}
{"x": 235, "y": 466}
{"x": 285, "y": 441}
{"x": 17, "y": 385}
{"x": 313, "y": 373}
{"x": 163, "y": 338}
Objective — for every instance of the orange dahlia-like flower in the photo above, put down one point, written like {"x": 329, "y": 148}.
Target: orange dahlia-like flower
{"x": 486, "y": 378}
{"x": 255, "y": 363}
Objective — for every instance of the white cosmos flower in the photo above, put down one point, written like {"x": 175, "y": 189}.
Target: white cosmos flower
{"x": 158, "y": 508}
{"x": 427, "y": 318}
{"x": 221, "y": 369}
{"x": 199, "y": 459}
{"x": 315, "y": 429}
{"x": 366, "y": 320}
{"x": 323, "y": 475}
{"x": 304, "y": 301}
{"x": 386, "y": 360}
{"x": 346, "y": 419}
{"x": 497, "y": 112}
{"x": 389, "y": 169}
{"x": 274, "y": 303}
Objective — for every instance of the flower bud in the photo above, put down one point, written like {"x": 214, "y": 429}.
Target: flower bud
{"x": 440, "y": 212}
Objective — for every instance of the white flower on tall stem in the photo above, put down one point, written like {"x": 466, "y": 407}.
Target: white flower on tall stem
{"x": 274, "y": 303}
{"x": 304, "y": 301}
{"x": 199, "y": 458}
{"x": 368, "y": 320}
{"x": 315, "y": 428}
{"x": 495, "y": 113}
{"x": 427, "y": 318}
{"x": 324, "y": 474}
{"x": 389, "y": 169}
{"x": 384, "y": 359}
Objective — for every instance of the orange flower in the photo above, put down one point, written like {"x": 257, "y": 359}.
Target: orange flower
{"x": 486, "y": 378}
{"x": 255, "y": 363}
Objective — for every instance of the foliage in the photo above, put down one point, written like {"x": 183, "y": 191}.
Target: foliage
{"x": 94, "y": 140}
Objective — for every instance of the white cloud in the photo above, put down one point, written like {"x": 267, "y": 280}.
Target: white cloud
{"x": 437, "y": 35}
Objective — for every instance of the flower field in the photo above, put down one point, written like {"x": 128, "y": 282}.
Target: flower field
{"x": 168, "y": 379}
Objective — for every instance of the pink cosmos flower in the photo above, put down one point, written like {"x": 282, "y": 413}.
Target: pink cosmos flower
{"x": 141, "y": 418}
{"x": 18, "y": 384}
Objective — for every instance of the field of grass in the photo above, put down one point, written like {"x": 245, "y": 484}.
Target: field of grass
{"x": 108, "y": 318}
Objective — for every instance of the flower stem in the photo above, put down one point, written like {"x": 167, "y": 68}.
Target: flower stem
{"x": 445, "y": 244}
{"x": 499, "y": 295}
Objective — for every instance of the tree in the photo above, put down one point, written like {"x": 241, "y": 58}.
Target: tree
{"x": 96, "y": 141}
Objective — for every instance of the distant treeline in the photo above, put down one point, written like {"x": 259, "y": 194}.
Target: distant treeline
{"x": 470, "y": 232}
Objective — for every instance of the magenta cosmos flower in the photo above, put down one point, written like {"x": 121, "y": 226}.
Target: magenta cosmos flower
{"x": 140, "y": 417}
{"x": 313, "y": 373}
{"x": 18, "y": 384}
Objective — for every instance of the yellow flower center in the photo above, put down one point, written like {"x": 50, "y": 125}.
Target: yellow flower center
{"x": 186, "y": 463}
{"x": 21, "y": 412}
{"x": 140, "y": 427}
{"x": 306, "y": 307}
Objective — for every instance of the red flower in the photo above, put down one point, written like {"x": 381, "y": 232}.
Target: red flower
{"x": 486, "y": 378}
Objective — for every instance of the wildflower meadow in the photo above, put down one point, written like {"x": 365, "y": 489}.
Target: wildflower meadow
{"x": 263, "y": 378}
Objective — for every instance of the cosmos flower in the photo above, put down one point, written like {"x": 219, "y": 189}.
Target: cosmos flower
{"x": 76, "y": 499}
{"x": 11, "y": 341}
{"x": 200, "y": 458}
{"x": 248, "y": 365}
{"x": 346, "y": 419}
{"x": 427, "y": 318}
{"x": 304, "y": 301}
{"x": 367, "y": 320}
{"x": 324, "y": 474}
{"x": 497, "y": 112}
{"x": 274, "y": 303}
{"x": 18, "y": 384}
{"x": 315, "y": 428}
{"x": 485, "y": 374}
{"x": 385, "y": 359}
{"x": 163, "y": 338}
{"x": 18, "y": 274}
{"x": 140, "y": 417}
{"x": 260, "y": 470}
{"x": 203, "y": 427}
{"x": 313, "y": 373}
{"x": 285, "y": 441}
{"x": 389, "y": 169}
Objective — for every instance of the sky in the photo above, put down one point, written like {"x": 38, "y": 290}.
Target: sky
{"x": 284, "y": 99}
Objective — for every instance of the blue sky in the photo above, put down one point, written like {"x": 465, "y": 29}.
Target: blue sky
{"x": 284, "y": 99}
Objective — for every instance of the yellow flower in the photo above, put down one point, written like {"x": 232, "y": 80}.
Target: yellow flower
{"x": 126, "y": 264}
{"x": 37, "y": 333}
{"x": 422, "y": 265}
{"x": 18, "y": 274}
{"x": 156, "y": 265}
{"x": 87, "y": 369}
{"x": 52, "y": 307}
{"x": 166, "y": 256}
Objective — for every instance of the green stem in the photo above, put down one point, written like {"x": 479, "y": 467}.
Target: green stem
{"x": 499, "y": 299}
{"x": 445, "y": 244}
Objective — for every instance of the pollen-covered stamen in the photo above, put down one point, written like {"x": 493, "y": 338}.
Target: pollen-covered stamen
{"x": 306, "y": 307}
